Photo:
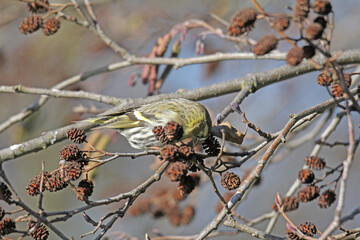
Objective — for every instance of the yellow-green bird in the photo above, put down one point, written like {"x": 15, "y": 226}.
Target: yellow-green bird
{"x": 137, "y": 124}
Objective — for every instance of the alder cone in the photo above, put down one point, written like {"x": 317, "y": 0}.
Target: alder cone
{"x": 294, "y": 56}
{"x": 230, "y": 181}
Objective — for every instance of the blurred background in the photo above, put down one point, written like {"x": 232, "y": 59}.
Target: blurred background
{"x": 38, "y": 61}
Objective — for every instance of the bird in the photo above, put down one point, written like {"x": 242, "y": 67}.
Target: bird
{"x": 137, "y": 124}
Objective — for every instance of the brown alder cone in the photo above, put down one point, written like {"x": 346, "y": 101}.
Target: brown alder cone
{"x": 265, "y": 45}
{"x": 337, "y": 90}
{"x": 308, "y": 228}
{"x": 294, "y": 56}
{"x": 7, "y": 225}
{"x": 76, "y": 135}
{"x": 308, "y": 193}
{"x": 324, "y": 78}
{"x": 50, "y": 26}
{"x": 5, "y": 193}
{"x": 243, "y": 21}
{"x": 327, "y": 198}
{"x": 230, "y": 181}
{"x": 31, "y": 24}
{"x": 315, "y": 162}
{"x": 281, "y": 21}
{"x": 314, "y": 31}
{"x": 176, "y": 171}
{"x": 306, "y": 175}
{"x": 40, "y": 233}
{"x": 322, "y": 7}
{"x": 301, "y": 10}
{"x": 186, "y": 185}
{"x": 289, "y": 203}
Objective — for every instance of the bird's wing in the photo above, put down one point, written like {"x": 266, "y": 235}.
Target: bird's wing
{"x": 124, "y": 120}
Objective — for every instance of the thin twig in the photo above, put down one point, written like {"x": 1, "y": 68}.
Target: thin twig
{"x": 60, "y": 93}
{"x": 343, "y": 181}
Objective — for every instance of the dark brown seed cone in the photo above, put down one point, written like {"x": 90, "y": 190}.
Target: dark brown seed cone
{"x": 76, "y": 135}
{"x": 308, "y": 193}
{"x": 265, "y": 45}
{"x": 5, "y": 193}
{"x": 70, "y": 153}
{"x": 176, "y": 171}
{"x": 40, "y": 233}
{"x": 301, "y": 10}
{"x": 243, "y": 21}
{"x": 314, "y": 31}
{"x": 309, "y": 51}
{"x": 7, "y": 225}
{"x": 187, "y": 214}
{"x": 227, "y": 196}
{"x": 324, "y": 78}
{"x": 85, "y": 187}
{"x": 230, "y": 181}
{"x": 306, "y": 175}
{"x": 33, "y": 187}
{"x": 281, "y": 21}
{"x": 169, "y": 153}
{"x": 2, "y": 213}
{"x": 322, "y": 7}
{"x": 321, "y": 21}
{"x": 289, "y": 203}
{"x": 55, "y": 182}
{"x": 315, "y": 162}
{"x": 173, "y": 131}
{"x": 30, "y": 24}
{"x": 211, "y": 146}
{"x": 327, "y": 198}
{"x": 291, "y": 235}
{"x": 140, "y": 207}
{"x": 294, "y": 56}
{"x": 307, "y": 228}
{"x": 186, "y": 151}
{"x": 186, "y": 185}
{"x": 73, "y": 171}
{"x": 159, "y": 134}
{"x": 51, "y": 26}
{"x": 347, "y": 79}
{"x": 34, "y": 7}
{"x": 336, "y": 90}
{"x": 197, "y": 178}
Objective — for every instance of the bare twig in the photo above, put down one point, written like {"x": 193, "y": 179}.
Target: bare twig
{"x": 131, "y": 194}
{"x": 230, "y": 222}
{"x": 60, "y": 93}
{"x": 343, "y": 181}
{"x": 296, "y": 185}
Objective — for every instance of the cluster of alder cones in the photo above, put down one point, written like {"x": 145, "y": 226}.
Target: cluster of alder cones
{"x": 313, "y": 32}
{"x": 245, "y": 19}
{"x": 311, "y": 191}
{"x": 34, "y": 22}
{"x": 59, "y": 179}
{"x": 182, "y": 158}
{"x": 8, "y": 225}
